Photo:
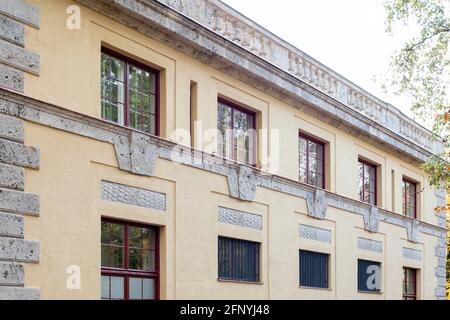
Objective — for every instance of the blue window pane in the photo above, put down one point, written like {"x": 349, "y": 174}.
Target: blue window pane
{"x": 313, "y": 269}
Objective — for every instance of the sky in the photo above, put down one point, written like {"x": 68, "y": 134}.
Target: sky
{"x": 346, "y": 35}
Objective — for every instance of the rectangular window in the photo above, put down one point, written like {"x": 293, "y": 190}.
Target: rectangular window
{"x": 367, "y": 182}
{"x": 129, "y": 261}
{"x": 409, "y": 198}
{"x": 369, "y": 276}
{"x": 313, "y": 269}
{"x": 237, "y": 134}
{"x": 312, "y": 161}
{"x": 129, "y": 93}
{"x": 239, "y": 260}
{"x": 409, "y": 284}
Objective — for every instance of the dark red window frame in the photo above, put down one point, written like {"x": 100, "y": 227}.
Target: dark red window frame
{"x": 374, "y": 166}
{"x": 407, "y": 281}
{"x": 128, "y": 273}
{"x": 130, "y": 62}
{"x": 322, "y": 144}
{"x": 234, "y": 107}
{"x": 406, "y": 204}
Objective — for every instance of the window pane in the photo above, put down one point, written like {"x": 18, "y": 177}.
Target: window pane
{"x": 112, "y": 245}
{"x": 135, "y": 288}
{"x": 142, "y": 245}
{"x": 149, "y": 289}
{"x": 224, "y": 128}
{"x": 313, "y": 269}
{"x": 238, "y": 260}
{"x": 117, "y": 288}
{"x": 105, "y": 287}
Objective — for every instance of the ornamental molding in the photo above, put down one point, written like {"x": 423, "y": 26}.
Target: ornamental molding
{"x": 212, "y": 32}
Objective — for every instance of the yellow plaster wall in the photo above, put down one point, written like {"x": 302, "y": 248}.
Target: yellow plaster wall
{"x": 72, "y": 167}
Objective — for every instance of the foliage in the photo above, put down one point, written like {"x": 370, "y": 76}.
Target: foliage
{"x": 421, "y": 69}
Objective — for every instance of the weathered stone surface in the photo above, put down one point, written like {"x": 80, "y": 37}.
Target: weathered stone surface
{"x": 370, "y": 245}
{"x": 440, "y": 292}
{"x": 317, "y": 204}
{"x": 314, "y": 233}
{"x": 412, "y": 230}
{"x": 11, "y": 225}
{"x": 247, "y": 182}
{"x": 11, "y": 79}
{"x": 240, "y": 218}
{"x": 21, "y": 10}
{"x": 19, "y": 250}
{"x": 440, "y": 271}
{"x": 11, "y": 128}
{"x": 19, "y": 202}
{"x": 441, "y": 252}
{"x": 18, "y": 293}
{"x": 441, "y": 281}
{"x": 412, "y": 254}
{"x": 11, "y": 274}
{"x": 19, "y": 57}
{"x": 143, "y": 154}
{"x": 11, "y": 177}
{"x": 372, "y": 219}
{"x": 134, "y": 196}
{"x": 16, "y": 153}
{"x": 12, "y": 31}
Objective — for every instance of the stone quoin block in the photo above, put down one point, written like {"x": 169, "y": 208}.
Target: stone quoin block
{"x": 11, "y": 78}
{"x": 11, "y": 274}
{"x": 19, "y": 57}
{"x": 11, "y": 128}
{"x": 19, "y": 250}
{"x": 11, "y": 177}
{"x": 18, "y": 293}
{"x": 21, "y": 10}
{"x": 11, "y": 225}
{"x": 19, "y": 202}
{"x": 12, "y": 31}
{"x": 16, "y": 153}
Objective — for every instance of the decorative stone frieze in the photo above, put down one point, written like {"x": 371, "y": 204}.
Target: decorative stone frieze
{"x": 412, "y": 254}
{"x": 240, "y": 218}
{"x": 314, "y": 233}
{"x": 371, "y": 219}
{"x": 370, "y": 245}
{"x": 133, "y": 196}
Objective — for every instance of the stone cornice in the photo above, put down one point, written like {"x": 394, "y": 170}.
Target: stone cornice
{"x": 177, "y": 30}
{"x": 137, "y": 153}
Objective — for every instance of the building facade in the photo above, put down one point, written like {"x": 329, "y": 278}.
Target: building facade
{"x": 175, "y": 149}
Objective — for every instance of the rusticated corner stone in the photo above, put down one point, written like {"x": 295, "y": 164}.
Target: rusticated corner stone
{"x": 372, "y": 220}
{"x": 12, "y": 31}
{"x": 19, "y": 250}
{"x": 11, "y": 177}
{"x": 21, "y": 10}
{"x": 11, "y": 78}
{"x": 19, "y": 57}
{"x": 317, "y": 205}
{"x": 11, "y": 225}
{"x": 16, "y": 153}
{"x": 144, "y": 153}
{"x": 11, "y": 274}
{"x": 19, "y": 293}
{"x": 11, "y": 128}
{"x": 19, "y": 202}
{"x": 247, "y": 182}
{"x": 412, "y": 230}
